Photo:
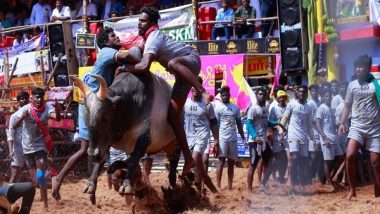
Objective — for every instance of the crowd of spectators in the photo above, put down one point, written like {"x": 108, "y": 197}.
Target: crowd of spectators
{"x": 25, "y": 12}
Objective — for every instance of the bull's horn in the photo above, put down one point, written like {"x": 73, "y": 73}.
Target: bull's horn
{"x": 103, "y": 90}
{"x": 81, "y": 85}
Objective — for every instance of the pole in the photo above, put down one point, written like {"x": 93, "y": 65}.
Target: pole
{"x": 85, "y": 15}
{"x": 196, "y": 17}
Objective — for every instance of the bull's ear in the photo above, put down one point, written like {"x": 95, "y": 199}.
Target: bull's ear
{"x": 115, "y": 100}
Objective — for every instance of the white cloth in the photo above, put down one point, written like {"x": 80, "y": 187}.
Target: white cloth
{"x": 16, "y": 43}
{"x": 40, "y": 14}
{"x": 374, "y": 12}
{"x": 65, "y": 12}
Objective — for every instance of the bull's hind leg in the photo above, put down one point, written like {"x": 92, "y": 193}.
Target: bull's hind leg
{"x": 173, "y": 153}
{"x": 142, "y": 144}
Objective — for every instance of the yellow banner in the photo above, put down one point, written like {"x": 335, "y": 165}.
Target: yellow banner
{"x": 77, "y": 94}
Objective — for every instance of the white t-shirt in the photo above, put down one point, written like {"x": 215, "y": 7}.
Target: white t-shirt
{"x": 324, "y": 113}
{"x": 16, "y": 43}
{"x": 197, "y": 117}
{"x": 164, "y": 48}
{"x": 365, "y": 108}
{"x": 65, "y": 12}
{"x": 300, "y": 120}
{"x": 32, "y": 138}
{"x": 227, "y": 115}
{"x": 374, "y": 12}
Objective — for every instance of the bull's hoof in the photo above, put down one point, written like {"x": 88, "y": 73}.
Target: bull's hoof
{"x": 126, "y": 188}
{"x": 93, "y": 199}
{"x": 173, "y": 179}
{"x": 89, "y": 189}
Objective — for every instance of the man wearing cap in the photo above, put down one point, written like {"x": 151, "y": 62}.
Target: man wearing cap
{"x": 280, "y": 146}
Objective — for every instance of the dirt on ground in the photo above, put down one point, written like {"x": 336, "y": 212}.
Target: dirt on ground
{"x": 159, "y": 199}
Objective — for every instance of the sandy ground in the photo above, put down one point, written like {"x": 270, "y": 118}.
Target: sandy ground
{"x": 316, "y": 199}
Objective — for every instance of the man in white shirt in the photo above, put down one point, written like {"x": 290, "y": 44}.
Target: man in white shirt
{"x": 40, "y": 13}
{"x": 60, "y": 13}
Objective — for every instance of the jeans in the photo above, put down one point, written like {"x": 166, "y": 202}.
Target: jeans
{"x": 241, "y": 29}
{"x": 221, "y": 31}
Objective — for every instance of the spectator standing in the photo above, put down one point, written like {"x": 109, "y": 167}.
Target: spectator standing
{"x": 228, "y": 116}
{"x": 36, "y": 140}
{"x": 259, "y": 148}
{"x": 280, "y": 146}
{"x": 41, "y": 12}
{"x": 300, "y": 129}
{"x": 60, "y": 13}
{"x": 14, "y": 137}
{"x": 241, "y": 15}
{"x": 225, "y": 13}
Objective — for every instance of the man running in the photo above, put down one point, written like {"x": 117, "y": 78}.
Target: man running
{"x": 300, "y": 130}
{"x": 182, "y": 61}
{"x": 14, "y": 137}
{"x": 109, "y": 59}
{"x": 228, "y": 116}
{"x": 363, "y": 96}
{"x": 36, "y": 141}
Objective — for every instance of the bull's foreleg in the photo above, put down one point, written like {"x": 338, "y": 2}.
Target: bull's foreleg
{"x": 142, "y": 144}
{"x": 92, "y": 181}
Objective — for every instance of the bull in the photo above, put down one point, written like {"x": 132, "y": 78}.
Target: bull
{"x": 130, "y": 115}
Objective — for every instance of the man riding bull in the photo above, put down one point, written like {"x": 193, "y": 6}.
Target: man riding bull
{"x": 108, "y": 61}
{"x": 179, "y": 59}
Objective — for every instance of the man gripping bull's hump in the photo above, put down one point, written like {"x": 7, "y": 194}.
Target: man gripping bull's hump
{"x": 108, "y": 61}
{"x": 181, "y": 60}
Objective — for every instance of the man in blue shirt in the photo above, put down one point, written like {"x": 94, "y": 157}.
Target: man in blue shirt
{"x": 108, "y": 61}
{"x": 226, "y": 13}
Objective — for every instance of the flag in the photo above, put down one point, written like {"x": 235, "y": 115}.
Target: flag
{"x": 277, "y": 74}
{"x": 246, "y": 96}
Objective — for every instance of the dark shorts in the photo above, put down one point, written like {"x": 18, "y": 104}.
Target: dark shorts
{"x": 32, "y": 158}
{"x": 181, "y": 87}
{"x": 254, "y": 154}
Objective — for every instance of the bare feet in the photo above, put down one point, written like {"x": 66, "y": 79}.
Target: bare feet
{"x": 188, "y": 166}
{"x": 56, "y": 187}
{"x": 350, "y": 195}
